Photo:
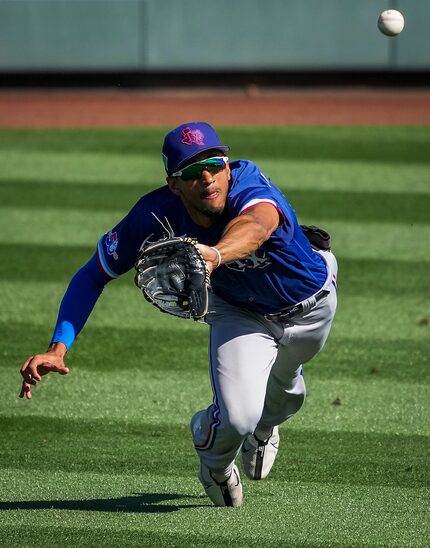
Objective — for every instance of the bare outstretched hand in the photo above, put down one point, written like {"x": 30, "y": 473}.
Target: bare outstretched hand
{"x": 35, "y": 367}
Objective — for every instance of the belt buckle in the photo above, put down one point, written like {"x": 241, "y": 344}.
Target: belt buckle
{"x": 295, "y": 309}
{"x": 291, "y": 312}
{"x": 285, "y": 314}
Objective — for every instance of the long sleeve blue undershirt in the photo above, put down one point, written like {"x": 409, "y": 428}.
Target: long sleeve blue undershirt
{"x": 78, "y": 302}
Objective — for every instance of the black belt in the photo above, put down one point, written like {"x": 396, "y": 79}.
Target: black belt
{"x": 291, "y": 311}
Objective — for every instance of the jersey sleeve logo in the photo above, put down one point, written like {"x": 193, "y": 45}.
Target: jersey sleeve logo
{"x": 192, "y": 137}
{"x": 112, "y": 244}
{"x": 258, "y": 259}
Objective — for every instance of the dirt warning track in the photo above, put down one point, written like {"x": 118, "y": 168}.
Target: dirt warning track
{"x": 250, "y": 106}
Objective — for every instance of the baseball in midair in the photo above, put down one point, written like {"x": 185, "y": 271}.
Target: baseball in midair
{"x": 391, "y": 22}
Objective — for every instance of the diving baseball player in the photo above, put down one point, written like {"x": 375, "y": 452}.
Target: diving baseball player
{"x": 271, "y": 306}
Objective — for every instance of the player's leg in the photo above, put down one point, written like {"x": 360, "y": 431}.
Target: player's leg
{"x": 304, "y": 336}
{"x": 242, "y": 351}
{"x": 302, "y": 339}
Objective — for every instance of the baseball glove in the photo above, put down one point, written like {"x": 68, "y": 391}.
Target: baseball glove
{"x": 173, "y": 276}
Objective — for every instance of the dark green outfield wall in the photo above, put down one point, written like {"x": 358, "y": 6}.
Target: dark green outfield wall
{"x": 166, "y": 35}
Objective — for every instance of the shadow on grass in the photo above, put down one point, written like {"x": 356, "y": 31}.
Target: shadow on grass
{"x": 121, "y": 446}
{"x": 137, "y": 503}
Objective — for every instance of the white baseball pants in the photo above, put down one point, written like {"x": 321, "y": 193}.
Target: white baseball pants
{"x": 255, "y": 368}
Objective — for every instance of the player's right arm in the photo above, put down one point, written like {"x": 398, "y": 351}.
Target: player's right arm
{"x": 78, "y": 302}
{"x": 116, "y": 254}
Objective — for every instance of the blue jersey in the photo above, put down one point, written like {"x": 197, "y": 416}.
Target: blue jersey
{"x": 283, "y": 271}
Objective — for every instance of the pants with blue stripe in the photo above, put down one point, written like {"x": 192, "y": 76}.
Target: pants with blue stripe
{"x": 256, "y": 373}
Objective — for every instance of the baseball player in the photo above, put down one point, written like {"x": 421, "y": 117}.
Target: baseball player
{"x": 272, "y": 300}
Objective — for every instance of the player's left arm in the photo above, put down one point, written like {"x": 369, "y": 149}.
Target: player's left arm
{"x": 244, "y": 234}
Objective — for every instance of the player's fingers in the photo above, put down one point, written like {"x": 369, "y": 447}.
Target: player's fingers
{"x": 25, "y": 365}
{"x": 29, "y": 369}
{"x": 26, "y": 374}
{"x": 25, "y": 391}
{"x": 32, "y": 371}
{"x": 31, "y": 376}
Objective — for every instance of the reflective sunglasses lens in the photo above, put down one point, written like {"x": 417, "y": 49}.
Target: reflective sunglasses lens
{"x": 194, "y": 171}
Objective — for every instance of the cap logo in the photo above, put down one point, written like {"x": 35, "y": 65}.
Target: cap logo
{"x": 192, "y": 137}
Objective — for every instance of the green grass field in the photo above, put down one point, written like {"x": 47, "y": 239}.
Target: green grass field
{"x": 103, "y": 457}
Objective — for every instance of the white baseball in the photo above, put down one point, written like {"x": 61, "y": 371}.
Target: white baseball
{"x": 391, "y": 22}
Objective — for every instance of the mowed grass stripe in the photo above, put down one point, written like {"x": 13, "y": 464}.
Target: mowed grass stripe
{"x": 104, "y": 168}
{"x": 359, "y": 207}
{"x": 368, "y": 404}
{"x": 99, "y": 446}
{"x": 146, "y": 172}
{"x": 321, "y": 536}
{"x": 350, "y": 239}
{"x": 138, "y": 523}
{"x": 124, "y": 307}
{"x": 372, "y": 144}
{"x": 54, "y": 263}
{"x": 58, "y": 263}
{"x": 347, "y": 205}
{"x": 343, "y": 356}
{"x": 172, "y": 397}
{"x": 371, "y": 240}
{"x": 56, "y": 226}
{"x": 375, "y": 359}
{"x": 111, "y": 446}
{"x": 83, "y": 196}
{"x": 126, "y": 510}
{"x": 120, "y": 141}
{"x": 121, "y": 306}
{"x": 148, "y": 348}
{"x": 347, "y": 176}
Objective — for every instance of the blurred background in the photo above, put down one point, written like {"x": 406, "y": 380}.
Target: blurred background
{"x": 146, "y": 43}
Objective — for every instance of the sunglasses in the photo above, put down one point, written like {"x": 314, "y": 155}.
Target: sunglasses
{"x": 194, "y": 171}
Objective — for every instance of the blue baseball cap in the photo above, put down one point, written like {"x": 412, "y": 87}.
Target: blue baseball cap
{"x": 186, "y": 141}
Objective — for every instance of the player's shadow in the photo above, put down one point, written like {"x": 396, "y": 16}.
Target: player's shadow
{"x": 136, "y": 503}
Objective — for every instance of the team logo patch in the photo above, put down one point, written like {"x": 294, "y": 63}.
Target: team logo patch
{"x": 192, "y": 137}
{"x": 112, "y": 244}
